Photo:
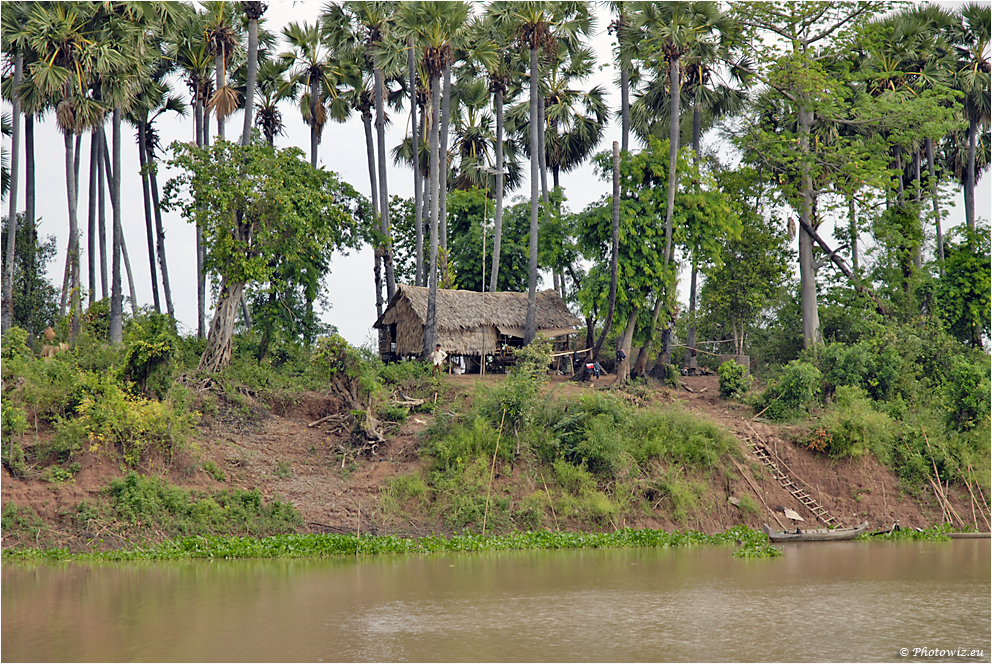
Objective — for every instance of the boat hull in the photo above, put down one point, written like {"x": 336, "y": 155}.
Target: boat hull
{"x": 818, "y": 535}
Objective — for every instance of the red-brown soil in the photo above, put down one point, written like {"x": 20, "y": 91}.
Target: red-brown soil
{"x": 281, "y": 456}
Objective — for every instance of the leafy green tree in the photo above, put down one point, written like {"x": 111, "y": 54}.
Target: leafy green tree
{"x": 260, "y": 210}
{"x": 35, "y": 301}
{"x": 963, "y": 291}
{"x": 753, "y": 266}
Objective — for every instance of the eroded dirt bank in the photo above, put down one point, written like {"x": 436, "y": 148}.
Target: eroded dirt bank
{"x": 280, "y": 454}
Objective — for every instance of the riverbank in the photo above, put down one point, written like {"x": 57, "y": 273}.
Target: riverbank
{"x": 257, "y": 467}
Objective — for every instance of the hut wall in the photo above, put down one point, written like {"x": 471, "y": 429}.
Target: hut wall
{"x": 469, "y": 342}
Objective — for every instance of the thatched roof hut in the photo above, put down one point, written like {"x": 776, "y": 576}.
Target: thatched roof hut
{"x": 468, "y": 322}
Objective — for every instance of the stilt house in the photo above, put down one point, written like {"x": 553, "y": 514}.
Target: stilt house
{"x": 469, "y": 324}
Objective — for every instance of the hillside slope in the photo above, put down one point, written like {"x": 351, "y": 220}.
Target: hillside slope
{"x": 283, "y": 455}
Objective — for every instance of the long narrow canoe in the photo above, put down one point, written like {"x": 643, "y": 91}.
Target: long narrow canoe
{"x": 970, "y": 535}
{"x": 816, "y": 535}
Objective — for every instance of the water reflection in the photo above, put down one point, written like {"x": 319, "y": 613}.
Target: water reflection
{"x": 843, "y": 601}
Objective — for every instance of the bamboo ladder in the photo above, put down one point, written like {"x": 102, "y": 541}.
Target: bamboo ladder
{"x": 765, "y": 456}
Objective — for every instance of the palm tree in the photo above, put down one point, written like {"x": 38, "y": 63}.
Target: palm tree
{"x": 59, "y": 34}
{"x": 576, "y": 118}
{"x": 672, "y": 30}
{"x": 12, "y": 16}
{"x": 432, "y": 26}
{"x": 538, "y": 27}
{"x": 253, "y": 11}
{"x": 191, "y": 52}
{"x": 272, "y": 87}
{"x": 222, "y": 41}
{"x": 315, "y": 69}
{"x": 972, "y": 38}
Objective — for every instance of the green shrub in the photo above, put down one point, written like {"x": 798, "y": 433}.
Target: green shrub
{"x": 462, "y": 442}
{"x": 12, "y": 455}
{"x": 284, "y": 470}
{"x": 144, "y": 503}
{"x": 679, "y": 496}
{"x": 109, "y": 416}
{"x": 875, "y": 367}
{"x": 853, "y": 427}
{"x": 151, "y": 349}
{"x": 795, "y": 392}
{"x": 19, "y": 521}
{"x": 967, "y": 394}
{"x": 575, "y": 480}
{"x": 212, "y": 469}
{"x": 734, "y": 380}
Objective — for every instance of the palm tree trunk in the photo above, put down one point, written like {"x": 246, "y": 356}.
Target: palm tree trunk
{"x": 101, "y": 173}
{"x": 614, "y": 252}
{"x": 29, "y": 197}
{"x": 314, "y": 100}
{"x": 149, "y": 227}
{"x": 530, "y": 330}
{"x": 936, "y": 204}
{"x": 116, "y": 295}
{"x": 120, "y": 239}
{"x": 220, "y": 74}
{"x": 498, "y": 216}
{"x": 690, "y": 336}
{"x": 91, "y": 226}
{"x": 370, "y": 155}
{"x": 443, "y": 156}
{"x": 542, "y": 147}
{"x": 200, "y": 127}
{"x": 430, "y": 325}
{"x": 623, "y": 370}
{"x": 252, "y": 77}
{"x": 624, "y": 107}
{"x": 384, "y": 225}
{"x": 418, "y": 203}
{"x": 7, "y": 305}
{"x": 160, "y": 234}
{"x": 428, "y": 201}
{"x": 969, "y": 182}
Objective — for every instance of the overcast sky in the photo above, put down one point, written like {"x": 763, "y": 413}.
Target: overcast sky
{"x": 350, "y": 284}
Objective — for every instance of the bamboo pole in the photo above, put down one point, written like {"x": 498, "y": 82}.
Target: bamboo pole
{"x": 550, "y": 502}
{"x": 758, "y": 493}
{"x": 492, "y": 472}
{"x": 981, "y": 505}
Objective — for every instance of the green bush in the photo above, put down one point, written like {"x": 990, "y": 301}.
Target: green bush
{"x": 853, "y": 427}
{"x": 212, "y": 469}
{"x": 145, "y": 503}
{"x": 734, "y": 380}
{"x": 109, "y": 416}
{"x": 151, "y": 350}
{"x": 795, "y": 392}
{"x": 462, "y": 442}
{"x": 967, "y": 394}
{"x": 874, "y": 367}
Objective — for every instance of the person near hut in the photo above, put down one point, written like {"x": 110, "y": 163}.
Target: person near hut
{"x": 438, "y": 357}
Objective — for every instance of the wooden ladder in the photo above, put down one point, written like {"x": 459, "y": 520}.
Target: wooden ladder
{"x": 763, "y": 455}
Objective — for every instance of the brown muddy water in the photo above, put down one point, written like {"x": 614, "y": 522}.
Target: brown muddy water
{"x": 829, "y": 601}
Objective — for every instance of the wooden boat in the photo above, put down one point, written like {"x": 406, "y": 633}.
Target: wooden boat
{"x": 816, "y": 535}
{"x": 970, "y": 535}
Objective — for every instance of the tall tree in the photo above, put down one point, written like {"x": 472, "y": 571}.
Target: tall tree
{"x": 253, "y": 10}
{"x": 972, "y": 41}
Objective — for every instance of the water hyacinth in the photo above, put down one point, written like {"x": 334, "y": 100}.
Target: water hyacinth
{"x": 322, "y": 545}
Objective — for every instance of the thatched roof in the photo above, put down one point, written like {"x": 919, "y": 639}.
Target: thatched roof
{"x": 460, "y": 310}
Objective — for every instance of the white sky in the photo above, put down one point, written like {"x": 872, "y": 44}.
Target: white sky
{"x": 350, "y": 284}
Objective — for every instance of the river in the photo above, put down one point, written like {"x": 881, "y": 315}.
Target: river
{"x": 831, "y": 601}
